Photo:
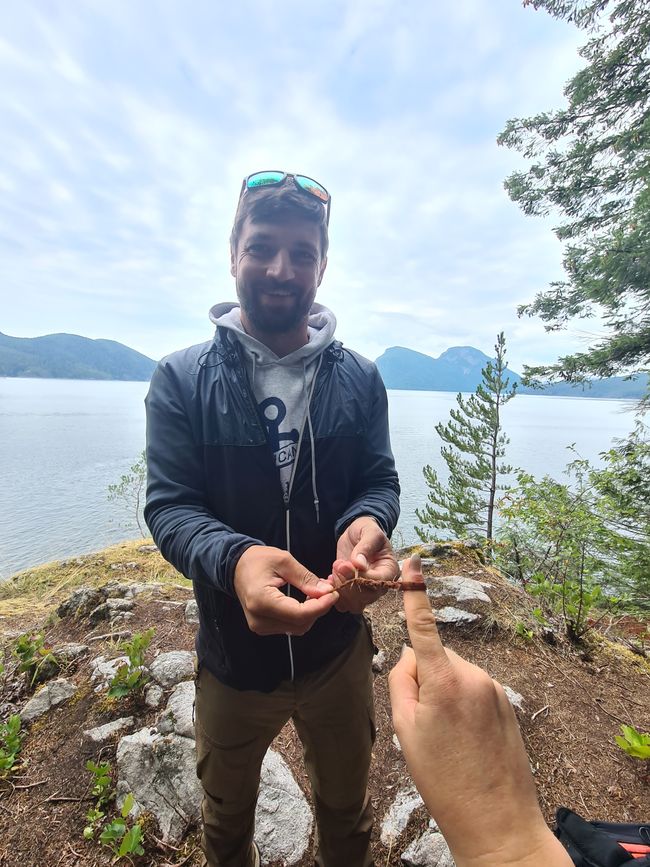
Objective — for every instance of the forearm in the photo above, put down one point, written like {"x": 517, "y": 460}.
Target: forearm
{"x": 530, "y": 850}
{"x": 197, "y": 544}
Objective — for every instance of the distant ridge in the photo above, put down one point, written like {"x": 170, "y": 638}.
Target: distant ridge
{"x": 69, "y": 356}
{"x": 459, "y": 369}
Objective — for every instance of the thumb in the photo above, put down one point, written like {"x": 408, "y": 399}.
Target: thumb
{"x": 300, "y": 577}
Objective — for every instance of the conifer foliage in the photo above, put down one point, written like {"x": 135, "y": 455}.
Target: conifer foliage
{"x": 589, "y": 163}
{"x": 474, "y": 449}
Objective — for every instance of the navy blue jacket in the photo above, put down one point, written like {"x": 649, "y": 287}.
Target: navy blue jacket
{"x": 214, "y": 490}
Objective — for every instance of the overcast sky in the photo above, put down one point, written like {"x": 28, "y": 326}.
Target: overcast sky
{"x": 128, "y": 126}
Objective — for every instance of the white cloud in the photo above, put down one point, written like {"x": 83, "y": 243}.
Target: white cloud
{"x": 128, "y": 132}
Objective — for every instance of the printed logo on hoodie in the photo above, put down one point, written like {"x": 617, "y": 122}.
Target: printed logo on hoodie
{"x": 283, "y": 443}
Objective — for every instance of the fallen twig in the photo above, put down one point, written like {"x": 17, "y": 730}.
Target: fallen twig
{"x": 541, "y": 710}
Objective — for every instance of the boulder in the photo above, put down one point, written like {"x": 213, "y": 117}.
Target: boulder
{"x": 171, "y": 668}
{"x": 160, "y": 771}
{"x": 51, "y": 695}
{"x": 180, "y": 709}
{"x": 101, "y": 734}
{"x": 454, "y": 615}
{"x": 192, "y": 612}
{"x": 81, "y": 602}
{"x": 283, "y": 818}
{"x": 429, "y": 850}
{"x": 399, "y": 813}
{"x": 153, "y": 695}
{"x": 110, "y": 609}
{"x": 463, "y": 589}
{"x": 67, "y": 653}
{"x": 103, "y": 670}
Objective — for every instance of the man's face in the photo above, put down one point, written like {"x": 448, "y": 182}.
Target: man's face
{"x": 278, "y": 267}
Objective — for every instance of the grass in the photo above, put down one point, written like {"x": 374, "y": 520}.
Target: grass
{"x": 36, "y": 591}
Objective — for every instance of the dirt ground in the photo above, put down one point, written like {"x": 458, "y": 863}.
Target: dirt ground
{"x": 575, "y": 700}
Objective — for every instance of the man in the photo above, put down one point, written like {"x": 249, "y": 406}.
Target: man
{"x": 270, "y": 464}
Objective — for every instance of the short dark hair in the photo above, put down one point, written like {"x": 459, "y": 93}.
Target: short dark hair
{"x": 280, "y": 202}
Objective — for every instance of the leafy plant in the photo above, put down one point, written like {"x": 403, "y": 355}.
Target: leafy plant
{"x": 634, "y": 743}
{"x": 116, "y": 834}
{"x": 522, "y": 630}
{"x": 35, "y": 659}
{"x": 558, "y": 544}
{"x": 130, "y": 490}
{"x": 121, "y": 839}
{"x": 474, "y": 447}
{"x": 131, "y": 676}
{"x": 10, "y": 744}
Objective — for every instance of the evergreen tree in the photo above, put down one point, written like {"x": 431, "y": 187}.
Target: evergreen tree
{"x": 590, "y": 161}
{"x": 475, "y": 446}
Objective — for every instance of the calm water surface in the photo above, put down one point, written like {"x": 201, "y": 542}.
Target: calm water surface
{"x": 63, "y": 442}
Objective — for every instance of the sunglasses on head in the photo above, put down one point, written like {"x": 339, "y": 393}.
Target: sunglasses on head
{"x": 302, "y": 182}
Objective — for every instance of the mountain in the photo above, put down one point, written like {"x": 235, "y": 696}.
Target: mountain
{"x": 69, "y": 356}
{"x": 459, "y": 369}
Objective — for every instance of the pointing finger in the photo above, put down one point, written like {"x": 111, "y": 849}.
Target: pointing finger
{"x": 421, "y": 621}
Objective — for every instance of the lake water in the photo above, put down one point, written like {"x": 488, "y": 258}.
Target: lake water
{"x": 63, "y": 442}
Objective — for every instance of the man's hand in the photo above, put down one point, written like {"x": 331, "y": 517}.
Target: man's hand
{"x": 259, "y": 575}
{"x": 463, "y": 748}
{"x": 365, "y": 547}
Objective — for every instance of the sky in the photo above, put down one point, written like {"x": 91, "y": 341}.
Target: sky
{"x": 127, "y": 129}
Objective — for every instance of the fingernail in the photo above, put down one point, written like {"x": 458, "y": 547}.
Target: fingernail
{"x": 403, "y": 651}
{"x": 364, "y": 563}
{"x": 416, "y": 562}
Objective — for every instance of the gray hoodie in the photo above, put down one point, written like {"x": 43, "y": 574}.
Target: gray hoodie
{"x": 282, "y": 386}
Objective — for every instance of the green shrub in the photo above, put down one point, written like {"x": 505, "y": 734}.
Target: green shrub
{"x": 131, "y": 676}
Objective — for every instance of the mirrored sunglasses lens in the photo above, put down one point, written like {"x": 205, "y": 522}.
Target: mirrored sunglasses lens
{"x": 313, "y": 187}
{"x": 263, "y": 179}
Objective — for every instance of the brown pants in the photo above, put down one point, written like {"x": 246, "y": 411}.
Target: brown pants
{"x": 332, "y": 710}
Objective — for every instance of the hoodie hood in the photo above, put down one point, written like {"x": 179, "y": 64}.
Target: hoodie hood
{"x": 321, "y": 328}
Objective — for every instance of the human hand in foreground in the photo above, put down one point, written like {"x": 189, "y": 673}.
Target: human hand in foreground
{"x": 365, "y": 547}
{"x": 464, "y": 750}
{"x": 259, "y": 575}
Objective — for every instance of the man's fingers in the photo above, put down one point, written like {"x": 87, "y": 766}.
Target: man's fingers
{"x": 282, "y": 614}
{"x": 301, "y": 578}
{"x": 420, "y": 619}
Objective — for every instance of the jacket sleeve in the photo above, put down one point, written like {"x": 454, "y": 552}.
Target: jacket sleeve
{"x": 379, "y": 485}
{"x": 188, "y": 534}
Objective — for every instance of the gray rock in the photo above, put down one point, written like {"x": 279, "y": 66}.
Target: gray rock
{"x": 283, "y": 819}
{"x": 51, "y": 695}
{"x": 454, "y": 615}
{"x": 153, "y": 695}
{"x": 160, "y": 771}
{"x": 400, "y": 811}
{"x": 378, "y": 662}
{"x": 109, "y": 609}
{"x": 514, "y": 698}
{"x": 191, "y": 612}
{"x": 81, "y": 602}
{"x": 103, "y": 670}
{"x": 70, "y": 652}
{"x": 461, "y": 588}
{"x": 171, "y": 668}
{"x": 147, "y": 548}
{"x": 101, "y": 734}
{"x": 180, "y": 709}
{"x": 429, "y": 850}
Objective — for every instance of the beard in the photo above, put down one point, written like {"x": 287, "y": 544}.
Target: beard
{"x": 275, "y": 320}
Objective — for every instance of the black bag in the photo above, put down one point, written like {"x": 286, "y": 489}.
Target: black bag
{"x": 603, "y": 844}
